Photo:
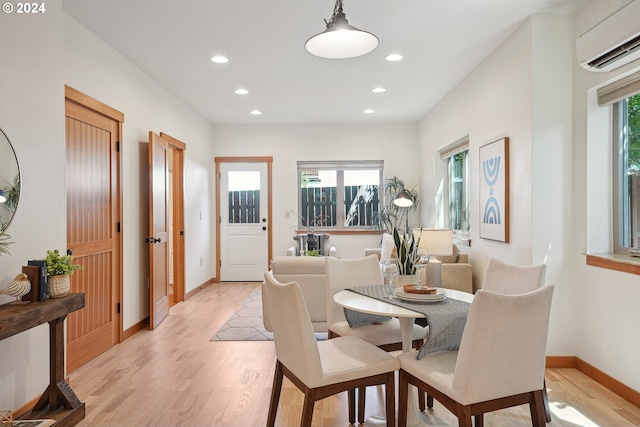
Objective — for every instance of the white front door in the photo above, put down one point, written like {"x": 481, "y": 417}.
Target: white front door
{"x": 244, "y": 221}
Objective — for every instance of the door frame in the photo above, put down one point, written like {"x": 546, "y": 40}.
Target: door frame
{"x": 75, "y": 96}
{"x": 178, "y": 149}
{"x": 269, "y": 162}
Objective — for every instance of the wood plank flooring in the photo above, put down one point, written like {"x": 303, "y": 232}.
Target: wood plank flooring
{"x": 175, "y": 376}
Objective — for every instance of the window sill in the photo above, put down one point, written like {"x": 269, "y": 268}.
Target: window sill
{"x": 618, "y": 262}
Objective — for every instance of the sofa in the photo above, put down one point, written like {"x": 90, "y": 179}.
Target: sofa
{"x": 457, "y": 273}
{"x": 308, "y": 271}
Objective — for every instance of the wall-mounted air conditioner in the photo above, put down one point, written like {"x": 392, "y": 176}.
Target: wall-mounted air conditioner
{"x": 613, "y": 42}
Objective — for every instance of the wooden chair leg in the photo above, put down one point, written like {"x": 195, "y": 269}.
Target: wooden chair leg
{"x": 421, "y": 404}
{"x": 307, "y": 411}
{"x": 463, "y": 412}
{"x": 479, "y": 420}
{"x": 545, "y": 399}
{"x": 362, "y": 399}
{"x": 429, "y": 401}
{"x": 390, "y": 403}
{"x": 352, "y": 405}
{"x": 275, "y": 395}
{"x": 403, "y": 399}
{"x": 536, "y": 407}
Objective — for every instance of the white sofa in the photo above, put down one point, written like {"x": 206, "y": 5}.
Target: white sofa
{"x": 308, "y": 271}
{"x": 299, "y": 247}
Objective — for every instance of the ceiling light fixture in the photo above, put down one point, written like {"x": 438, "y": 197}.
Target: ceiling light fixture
{"x": 393, "y": 57}
{"x": 242, "y": 91}
{"x": 378, "y": 90}
{"x": 369, "y": 111}
{"x": 341, "y": 40}
{"x": 219, "y": 59}
{"x": 256, "y": 112}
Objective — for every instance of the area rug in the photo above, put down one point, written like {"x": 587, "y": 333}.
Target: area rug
{"x": 246, "y": 323}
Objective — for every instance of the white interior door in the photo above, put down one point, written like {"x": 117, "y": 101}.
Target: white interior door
{"x": 244, "y": 222}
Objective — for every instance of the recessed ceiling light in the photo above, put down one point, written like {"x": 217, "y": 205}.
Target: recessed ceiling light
{"x": 378, "y": 90}
{"x": 218, "y": 59}
{"x": 393, "y": 57}
{"x": 242, "y": 91}
{"x": 256, "y": 112}
{"x": 369, "y": 111}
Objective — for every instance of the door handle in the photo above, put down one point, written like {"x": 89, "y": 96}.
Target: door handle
{"x": 156, "y": 240}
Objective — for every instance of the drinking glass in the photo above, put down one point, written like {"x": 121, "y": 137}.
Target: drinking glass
{"x": 389, "y": 269}
{"x": 422, "y": 259}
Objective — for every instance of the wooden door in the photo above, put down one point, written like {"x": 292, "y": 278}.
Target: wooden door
{"x": 93, "y": 225}
{"x": 158, "y": 230}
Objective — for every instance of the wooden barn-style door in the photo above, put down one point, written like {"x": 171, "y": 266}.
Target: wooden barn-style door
{"x": 94, "y": 212}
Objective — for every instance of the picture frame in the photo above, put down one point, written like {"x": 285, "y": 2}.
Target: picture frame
{"x": 494, "y": 190}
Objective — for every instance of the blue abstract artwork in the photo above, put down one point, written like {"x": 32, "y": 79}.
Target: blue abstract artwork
{"x": 494, "y": 201}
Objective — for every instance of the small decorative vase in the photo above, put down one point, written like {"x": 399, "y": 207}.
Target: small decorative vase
{"x": 59, "y": 286}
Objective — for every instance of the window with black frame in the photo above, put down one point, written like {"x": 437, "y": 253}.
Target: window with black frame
{"x": 338, "y": 194}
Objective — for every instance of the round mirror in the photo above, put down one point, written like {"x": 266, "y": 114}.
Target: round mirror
{"x": 9, "y": 182}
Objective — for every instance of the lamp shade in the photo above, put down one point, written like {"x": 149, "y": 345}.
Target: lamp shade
{"x": 403, "y": 199}
{"x": 341, "y": 40}
{"x": 3, "y": 196}
{"x": 437, "y": 241}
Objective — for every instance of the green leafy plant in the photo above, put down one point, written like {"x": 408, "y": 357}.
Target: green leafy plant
{"x": 406, "y": 247}
{"x": 313, "y": 252}
{"x": 60, "y": 264}
{"x": 4, "y": 243}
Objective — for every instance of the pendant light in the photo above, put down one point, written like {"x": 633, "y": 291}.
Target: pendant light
{"x": 341, "y": 40}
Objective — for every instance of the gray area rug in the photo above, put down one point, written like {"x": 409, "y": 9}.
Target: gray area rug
{"x": 246, "y": 323}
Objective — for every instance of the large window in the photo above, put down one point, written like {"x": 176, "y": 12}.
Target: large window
{"x": 624, "y": 97}
{"x": 457, "y": 157}
{"x": 627, "y": 172}
{"x": 339, "y": 195}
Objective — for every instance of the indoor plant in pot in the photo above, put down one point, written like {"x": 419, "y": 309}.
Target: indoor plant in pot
{"x": 393, "y": 219}
{"x": 59, "y": 268}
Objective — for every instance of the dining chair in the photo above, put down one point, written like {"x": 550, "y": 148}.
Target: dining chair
{"x": 321, "y": 368}
{"x": 499, "y": 364}
{"x": 345, "y": 273}
{"x": 511, "y": 279}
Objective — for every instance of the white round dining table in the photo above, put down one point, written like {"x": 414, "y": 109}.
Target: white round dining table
{"x": 407, "y": 318}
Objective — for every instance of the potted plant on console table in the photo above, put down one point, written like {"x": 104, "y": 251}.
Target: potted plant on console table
{"x": 59, "y": 268}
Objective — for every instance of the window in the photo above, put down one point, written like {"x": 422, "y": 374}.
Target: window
{"x": 457, "y": 157}
{"x": 624, "y": 97}
{"x": 339, "y": 195}
{"x": 626, "y": 115}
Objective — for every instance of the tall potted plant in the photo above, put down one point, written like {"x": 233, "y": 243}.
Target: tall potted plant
{"x": 59, "y": 268}
{"x": 393, "y": 219}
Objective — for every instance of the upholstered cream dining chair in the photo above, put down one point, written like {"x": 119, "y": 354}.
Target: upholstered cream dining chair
{"x": 324, "y": 368}
{"x": 345, "y": 273}
{"x": 499, "y": 364}
{"x": 511, "y": 279}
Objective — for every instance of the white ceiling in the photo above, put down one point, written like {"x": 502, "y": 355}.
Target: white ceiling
{"x": 173, "y": 41}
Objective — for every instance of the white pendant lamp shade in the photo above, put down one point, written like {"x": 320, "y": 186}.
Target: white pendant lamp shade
{"x": 341, "y": 40}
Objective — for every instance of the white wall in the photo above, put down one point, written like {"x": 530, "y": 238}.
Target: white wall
{"x": 393, "y": 143}
{"x": 45, "y": 53}
{"x": 95, "y": 69}
{"x": 532, "y": 90}
{"x": 607, "y": 301}
{"x": 32, "y": 116}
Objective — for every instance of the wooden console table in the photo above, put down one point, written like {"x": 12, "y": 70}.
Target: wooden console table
{"x": 58, "y": 401}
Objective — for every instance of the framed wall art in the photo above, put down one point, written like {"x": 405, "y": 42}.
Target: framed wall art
{"x": 494, "y": 190}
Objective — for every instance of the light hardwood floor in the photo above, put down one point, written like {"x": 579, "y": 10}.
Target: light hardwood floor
{"x": 175, "y": 376}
